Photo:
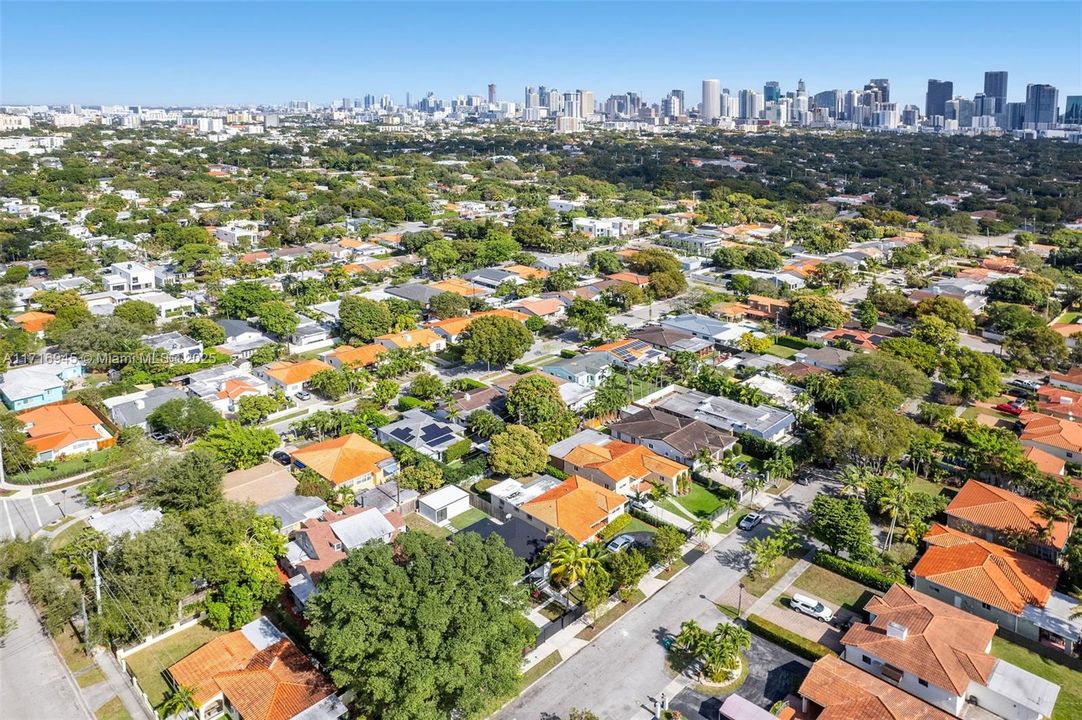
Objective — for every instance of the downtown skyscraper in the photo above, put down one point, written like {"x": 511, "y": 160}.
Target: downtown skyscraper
{"x": 711, "y": 109}
{"x": 935, "y": 101}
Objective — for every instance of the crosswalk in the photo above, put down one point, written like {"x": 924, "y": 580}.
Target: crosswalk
{"x": 22, "y": 517}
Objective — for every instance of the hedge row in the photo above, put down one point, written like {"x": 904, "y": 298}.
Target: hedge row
{"x": 460, "y": 448}
{"x": 408, "y": 402}
{"x": 651, "y": 520}
{"x": 797, "y": 343}
{"x": 615, "y": 527}
{"x": 807, "y": 649}
{"x": 863, "y": 574}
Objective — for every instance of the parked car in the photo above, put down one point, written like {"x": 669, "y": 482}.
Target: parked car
{"x": 1031, "y": 385}
{"x": 281, "y": 457}
{"x": 620, "y": 542}
{"x": 812, "y": 607}
{"x": 750, "y": 521}
{"x": 1015, "y": 407}
{"x": 304, "y": 395}
{"x": 645, "y": 504}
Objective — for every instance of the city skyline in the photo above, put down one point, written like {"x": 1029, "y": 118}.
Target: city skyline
{"x": 180, "y": 63}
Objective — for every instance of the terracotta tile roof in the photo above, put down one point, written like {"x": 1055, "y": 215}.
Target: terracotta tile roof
{"x": 984, "y": 571}
{"x": 33, "y": 321}
{"x": 1046, "y": 462}
{"x": 1066, "y": 329}
{"x": 353, "y": 356}
{"x": 342, "y": 459}
{"x": 943, "y": 645}
{"x": 234, "y": 388}
{"x": 457, "y": 325}
{"x": 1060, "y": 402}
{"x": 529, "y": 273}
{"x": 1072, "y": 376}
{"x": 55, "y": 427}
{"x": 276, "y": 683}
{"x": 846, "y": 692}
{"x": 767, "y": 302}
{"x": 458, "y": 286}
{"x": 618, "y": 460}
{"x": 1051, "y": 431}
{"x": 576, "y": 506}
{"x": 630, "y": 277}
{"x": 289, "y": 373}
{"x": 421, "y": 337}
{"x": 541, "y": 308}
{"x": 992, "y": 507}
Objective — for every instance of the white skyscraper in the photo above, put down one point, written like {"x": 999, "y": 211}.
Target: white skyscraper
{"x": 711, "y": 109}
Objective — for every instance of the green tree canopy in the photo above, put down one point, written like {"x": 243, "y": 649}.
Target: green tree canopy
{"x": 496, "y": 340}
{"x": 517, "y": 451}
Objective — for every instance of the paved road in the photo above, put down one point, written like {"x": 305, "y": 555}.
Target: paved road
{"x": 617, "y": 675}
{"x": 34, "y": 683}
{"x": 22, "y": 517}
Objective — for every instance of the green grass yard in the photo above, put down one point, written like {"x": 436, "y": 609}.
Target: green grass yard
{"x": 726, "y": 525}
{"x": 416, "y": 523}
{"x": 471, "y": 516}
{"x": 1069, "y": 704}
{"x": 758, "y": 585}
{"x": 700, "y": 502}
{"x": 638, "y": 526}
{"x": 781, "y": 351}
{"x": 826, "y": 585}
{"x": 148, "y": 663}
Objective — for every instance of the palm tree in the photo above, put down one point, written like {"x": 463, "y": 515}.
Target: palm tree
{"x": 707, "y": 463}
{"x": 728, "y": 504}
{"x": 730, "y": 464}
{"x": 779, "y": 466}
{"x": 178, "y": 700}
{"x": 854, "y": 480}
{"x": 894, "y": 503}
{"x": 702, "y": 528}
{"x": 660, "y": 492}
{"x": 754, "y": 483}
{"x": 1052, "y": 513}
{"x": 570, "y": 562}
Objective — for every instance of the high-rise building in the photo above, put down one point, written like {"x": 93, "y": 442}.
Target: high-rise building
{"x": 492, "y": 93}
{"x": 959, "y": 109}
{"x": 884, "y": 88}
{"x": 800, "y": 88}
{"x": 711, "y": 107}
{"x": 1014, "y": 116}
{"x": 831, "y": 100}
{"x": 587, "y": 103}
{"x": 939, "y": 92}
{"x": 852, "y": 100}
{"x": 1042, "y": 102}
{"x": 671, "y": 106}
{"x": 995, "y": 87}
{"x": 572, "y": 107}
{"x": 772, "y": 91}
{"x": 751, "y": 105}
{"x": 533, "y": 98}
{"x": 555, "y": 102}
{"x": 1072, "y": 113}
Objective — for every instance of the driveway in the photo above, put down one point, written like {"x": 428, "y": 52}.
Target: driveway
{"x": 829, "y": 634}
{"x": 22, "y": 517}
{"x": 617, "y": 675}
{"x": 773, "y": 674}
{"x": 34, "y": 683}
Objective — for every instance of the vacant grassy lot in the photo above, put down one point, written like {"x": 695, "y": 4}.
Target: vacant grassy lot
{"x": 833, "y": 588}
{"x": 1069, "y": 704}
{"x": 148, "y": 663}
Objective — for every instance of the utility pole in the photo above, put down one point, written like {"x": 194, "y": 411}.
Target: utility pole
{"x": 97, "y": 583}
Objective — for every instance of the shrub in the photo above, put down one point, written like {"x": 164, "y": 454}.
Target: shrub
{"x": 615, "y": 527}
{"x": 568, "y": 353}
{"x": 519, "y": 369}
{"x": 901, "y": 553}
{"x": 408, "y": 402}
{"x": 457, "y": 450}
{"x": 864, "y": 574}
{"x": 650, "y": 519}
{"x": 468, "y": 384}
{"x": 808, "y": 649}
{"x": 758, "y": 447}
{"x": 555, "y": 472}
{"x": 457, "y": 474}
{"x": 797, "y": 343}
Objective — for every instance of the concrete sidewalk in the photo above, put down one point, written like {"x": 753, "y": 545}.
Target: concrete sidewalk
{"x": 781, "y": 585}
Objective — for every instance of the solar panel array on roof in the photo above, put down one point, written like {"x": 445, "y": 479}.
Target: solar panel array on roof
{"x": 403, "y": 433}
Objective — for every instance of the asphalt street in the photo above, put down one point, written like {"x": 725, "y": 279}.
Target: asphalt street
{"x": 617, "y": 675}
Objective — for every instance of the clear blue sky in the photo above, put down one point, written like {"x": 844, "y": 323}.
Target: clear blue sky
{"x": 253, "y": 52}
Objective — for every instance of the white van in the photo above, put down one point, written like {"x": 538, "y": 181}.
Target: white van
{"x": 811, "y": 606}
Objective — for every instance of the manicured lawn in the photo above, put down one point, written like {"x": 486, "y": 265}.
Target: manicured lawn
{"x": 471, "y": 516}
{"x": 113, "y": 710}
{"x": 1068, "y": 317}
{"x": 553, "y": 611}
{"x": 614, "y": 614}
{"x": 148, "y": 663}
{"x": 1069, "y": 704}
{"x": 638, "y": 526}
{"x": 540, "y": 668}
{"x": 676, "y": 567}
{"x": 699, "y": 501}
{"x": 926, "y": 486}
{"x": 833, "y": 588}
{"x": 781, "y": 351}
{"x": 416, "y": 523}
{"x": 759, "y": 585}
{"x": 60, "y": 469}
{"x": 971, "y": 413}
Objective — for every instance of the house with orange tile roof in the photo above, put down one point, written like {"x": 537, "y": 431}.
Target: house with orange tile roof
{"x": 835, "y": 690}
{"x": 1069, "y": 331}
{"x": 34, "y": 321}
{"x": 1060, "y": 402}
{"x": 419, "y": 338}
{"x": 1001, "y": 516}
{"x": 291, "y": 376}
{"x": 629, "y": 277}
{"x": 545, "y": 308}
{"x": 454, "y": 328}
{"x": 1056, "y": 436}
{"x": 527, "y": 273}
{"x": 940, "y": 654}
{"x": 349, "y": 461}
{"x": 1046, "y": 462}
{"x": 63, "y": 429}
{"x": 629, "y": 353}
{"x": 1070, "y": 380}
{"x": 349, "y": 356}
{"x": 576, "y": 506}
{"x": 256, "y": 673}
{"x": 459, "y": 287}
{"x": 1014, "y": 590}
{"x": 617, "y": 465}
{"x": 321, "y": 542}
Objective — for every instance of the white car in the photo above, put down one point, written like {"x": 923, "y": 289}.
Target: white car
{"x": 810, "y": 606}
{"x": 645, "y": 505}
{"x": 620, "y": 542}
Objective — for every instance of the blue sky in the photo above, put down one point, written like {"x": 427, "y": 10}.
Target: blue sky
{"x": 252, "y": 52}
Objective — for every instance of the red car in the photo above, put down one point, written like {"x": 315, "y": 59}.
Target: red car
{"x": 1011, "y": 408}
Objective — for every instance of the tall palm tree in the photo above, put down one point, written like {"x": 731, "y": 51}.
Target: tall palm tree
{"x": 707, "y": 463}
{"x": 894, "y": 503}
{"x": 702, "y": 528}
{"x": 779, "y": 466}
{"x": 570, "y": 562}
{"x": 854, "y": 480}
{"x": 728, "y": 504}
{"x": 1052, "y": 513}
{"x": 754, "y": 483}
